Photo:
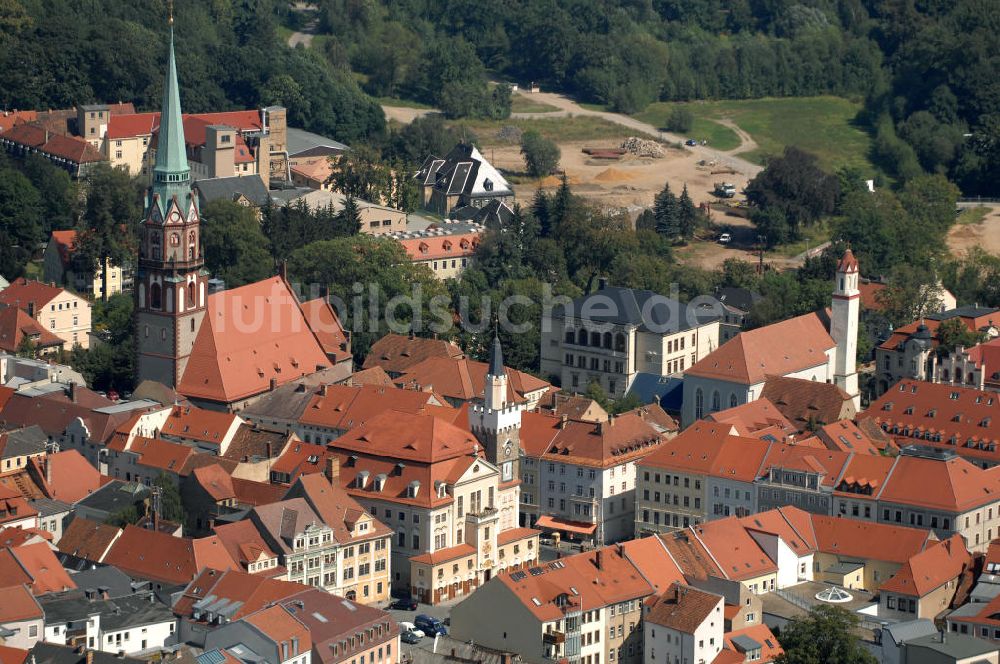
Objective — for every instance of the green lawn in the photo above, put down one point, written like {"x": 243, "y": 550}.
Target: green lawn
{"x": 524, "y": 104}
{"x": 973, "y": 215}
{"x": 821, "y": 125}
{"x": 562, "y": 129}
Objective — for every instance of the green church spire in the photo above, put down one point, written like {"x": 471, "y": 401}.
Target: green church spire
{"x": 171, "y": 174}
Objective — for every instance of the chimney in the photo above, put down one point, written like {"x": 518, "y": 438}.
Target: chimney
{"x": 267, "y": 450}
{"x": 599, "y": 559}
{"x": 322, "y": 390}
{"x": 90, "y": 656}
{"x": 48, "y": 470}
{"x": 621, "y": 549}
{"x": 72, "y": 391}
{"x": 563, "y": 419}
{"x": 273, "y": 384}
{"x": 211, "y": 525}
{"x": 31, "y": 309}
{"x": 333, "y": 469}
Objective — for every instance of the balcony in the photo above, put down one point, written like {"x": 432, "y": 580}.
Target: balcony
{"x": 554, "y": 637}
{"x": 483, "y": 515}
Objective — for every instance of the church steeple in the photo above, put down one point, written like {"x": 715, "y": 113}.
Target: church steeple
{"x": 171, "y": 173}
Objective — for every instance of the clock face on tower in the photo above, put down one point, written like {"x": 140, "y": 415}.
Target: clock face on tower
{"x": 507, "y": 449}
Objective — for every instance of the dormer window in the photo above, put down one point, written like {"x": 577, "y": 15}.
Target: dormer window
{"x": 380, "y": 481}
{"x": 413, "y": 489}
{"x": 362, "y": 479}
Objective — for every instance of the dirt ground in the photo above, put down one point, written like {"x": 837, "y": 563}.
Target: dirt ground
{"x": 630, "y": 183}
{"x": 985, "y": 234}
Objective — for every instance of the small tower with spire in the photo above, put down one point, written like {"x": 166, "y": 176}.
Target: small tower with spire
{"x": 496, "y": 422}
{"x": 171, "y": 280}
{"x": 844, "y": 325}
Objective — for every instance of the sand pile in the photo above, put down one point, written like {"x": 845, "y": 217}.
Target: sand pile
{"x": 613, "y": 175}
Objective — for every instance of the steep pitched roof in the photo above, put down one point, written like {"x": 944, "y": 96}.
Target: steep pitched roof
{"x": 325, "y": 323}
{"x": 757, "y": 419}
{"x": 807, "y": 402}
{"x": 23, "y": 291}
{"x": 88, "y": 540}
{"x": 684, "y": 608}
{"x": 16, "y": 326}
{"x": 18, "y": 604}
{"x": 336, "y": 508}
{"x": 931, "y": 568}
{"x": 737, "y": 554}
{"x": 39, "y": 564}
{"x": 465, "y": 380}
{"x": 344, "y": 407}
{"x": 248, "y": 592}
{"x": 199, "y": 424}
{"x": 245, "y": 544}
{"x": 624, "y": 438}
{"x": 854, "y": 538}
{"x": 398, "y": 352}
{"x": 70, "y": 477}
{"x": 148, "y": 554}
{"x": 778, "y": 349}
{"x": 237, "y": 354}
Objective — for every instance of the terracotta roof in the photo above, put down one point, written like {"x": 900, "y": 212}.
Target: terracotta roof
{"x": 71, "y": 148}
{"x": 792, "y": 525}
{"x": 807, "y": 402}
{"x": 779, "y": 349}
{"x": 974, "y": 319}
{"x": 465, "y": 379}
{"x": 252, "y": 443}
{"x": 987, "y": 354}
{"x": 950, "y": 484}
{"x": 869, "y": 291}
{"x": 254, "y": 591}
{"x": 960, "y": 419}
{"x": 10, "y": 118}
{"x": 315, "y": 169}
{"x": 827, "y": 463}
{"x": 131, "y": 125}
{"x": 245, "y": 544}
{"x": 590, "y": 580}
{"x": 146, "y": 124}
{"x": 16, "y": 324}
{"x": 690, "y": 555}
{"x": 53, "y": 413}
{"x": 14, "y": 507}
{"x": 770, "y": 649}
{"x": 627, "y": 437}
{"x": 845, "y": 436}
{"x": 15, "y": 536}
{"x": 72, "y": 476}
{"x": 734, "y": 550}
{"x": 343, "y": 407}
{"x": 756, "y": 419}
{"x": 39, "y": 564}
{"x": 336, "y": 508}
{"x": 163, "y": 455}
{"x": 866, "y": 540}
{"x": 848, "y": 263}
{"x": 301, "y": 458}
{"x": 436, "y": 247}
{"x": 147, "y": 554}
{"x": 88, "y": 540}
{"x": 326, "y": 325}
{"x": 444, "y": 555}
{"x": 375, "y": 375}
{"x": 684, "y": 609}
{"x": 18, "y": 604}
{"x": 9, "y": 655}
{"x": 930, "y": 568}
{"x": 215, "y": 481}
{"x": 515, "y": 534}
{"x": 199, "y": 424}
{"x": 708, "y": 449}
{"x": 864, "y": 476}
{"x": 281, "y": 627}
{"x": 572, "y": 406}
{"x": 331, "y": 619}
{"x": 64, "y": 241}
{"x": 398, "y": 352}
{"x": 650, "y": 556}
{"x": 236, "y": 356}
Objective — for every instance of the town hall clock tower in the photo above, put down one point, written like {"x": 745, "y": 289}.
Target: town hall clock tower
{"x": 171, "y": 280}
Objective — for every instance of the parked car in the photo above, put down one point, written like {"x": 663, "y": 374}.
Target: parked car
{"x": 404, "y": 604}
{"x": 430, "y": 625}
{"x": 410, "y": 637}
{"x": 410, "y": 627}
{"x": 725, "y": 238}
{"x": 690, "y": 141}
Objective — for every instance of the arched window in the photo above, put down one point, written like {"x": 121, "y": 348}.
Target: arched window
{"x": 699, "y": 404}
{"x": 608, "y": 340}
{"x": 732, "y": 401}
{"x": 716, "y": 401}
{"x": 155, "y": 296}
{"x": 175, "y": 239}
{"x": 581, "y": 337}
{"x": 595, "y": 339}
{"x": 192, "y": 299}
{"x": 620, "y": 343}
{"x": 570, "y": 336}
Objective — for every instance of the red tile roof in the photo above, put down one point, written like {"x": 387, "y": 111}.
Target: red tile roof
{"x": 973, "y": 323}
{"x": 931, "y": 568}
{"x": 684, "y": 609}
{"x": 737, "y": 554}
{"x": 779, "y": 349}
{"x": 250, "y": 336}
{"x": 436, "y": 247}
{"x": 71, "y": 148}
{"x": 16, "y": 325}
{"x": 398, "y": 352}
{"x": 343, "y": 407}
{"x": 465, "y": 379}
{"x": 163, "y": 558}
{"x": 131, "y": 125}
{"x": 650, "y": 556}
{"x": 844, "y": 435}
{"x": 444, "y": 555}
{"x": 707, "y": 448}
{"x": 199, "y": 424}
{"x": 162, "y": 454}
{"x": 44, "y": 572}
{"x": 953, "y": 485}
{"x": 690, "y": 555}
{"x": 88, "y": 540}
{"x": 9, "y": 655}
{"x": 281, "y": 627}
{"x": 22, "y": 291}
{"x": 337, "y": 508}
{"x": 762, "y": 634}
{"x": 70, "y": 477}
{"x": 326, "y": 325}
{"x": 961, "y": 419}
{"x": 300, "y": 458}
{"x": 625, "y": 438}
{"x": 255, "y": 592}
{"x": 854, "y": 538}
{"x": 216, "y": 482}
{"x": 245, "y": 544}
{"x": 10, "y": 118}
{"x": 756, "y": 419}
{"x": 146, "y": 124}
{"x": 18, "y": 604}
{"x": 807, "y": 403}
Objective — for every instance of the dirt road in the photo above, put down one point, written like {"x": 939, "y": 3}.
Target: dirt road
{"x": 308, "y": 31}
{"x": 985, "y": 234}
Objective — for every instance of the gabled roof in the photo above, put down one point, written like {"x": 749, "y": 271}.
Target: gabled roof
{"x": 37, "y": 566}
{"x": 974, "y": 318}
{"x": 756, "y": 419}
{"x": 281, "y": 627}
{"x": 88, "y": 540}
{"x": 16, "y": 325}
{"x": 856, "y": 539}
{"x": 147, "y": 554}
{"x": 234, "y": 358}
{"x": 215, "y": 481}
{"x": 336, "y": 508}
{"x": 465, "y": 380}
{"x": 18, "y": 604}
{"x": 408, "y": 437}
{"x": 846, "y": 436}
{"x": 930, "y": 568}
{"x": 778, "y": 349}
{"x": 231, "y": 189}
{"x": 326, "y": 325}
{"x": 199, "y": 424}
{"x": 690, "y": 555}
{"x": 398, "y": 352}
{"x": 622, "y": 439}
{"x": 683, "y": 608}
{"x": 650, "y": 556}
{"x": 69, "y": 477}
{"x": 437, "y": 247}
{"x": 733, "y": 549}
{"x": 301, "y": 458}
{"x": 759, "y": 635}
{"x": 808, "y": 402}
{"x": 343, "y": 407}
{"x": 161, "y": 454}
{"x": 708, "y": 448}
{"x": 792, "y": 525}
{"x": 938, "y": 480}
{"x": 245, "y": 544}
{"x": 244, "y": 593}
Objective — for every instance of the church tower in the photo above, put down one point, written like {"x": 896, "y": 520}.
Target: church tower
{"x": 844, "y": 325}
{"x": 171, "y": 282}
{"x": 497, "y": 422}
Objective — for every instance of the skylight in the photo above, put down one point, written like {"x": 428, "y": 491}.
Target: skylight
{"x": 320, "y": 617}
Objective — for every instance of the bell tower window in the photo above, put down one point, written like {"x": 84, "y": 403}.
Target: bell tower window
{"x": 155, "y": 296}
